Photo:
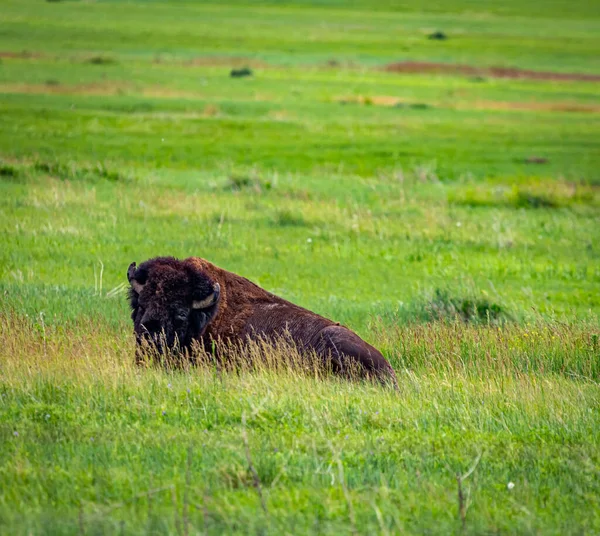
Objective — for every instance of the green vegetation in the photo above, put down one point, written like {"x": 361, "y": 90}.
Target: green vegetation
{"x": 447, "y": 209}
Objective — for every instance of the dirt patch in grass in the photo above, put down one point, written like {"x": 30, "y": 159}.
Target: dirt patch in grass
{"x": 235, "y": 62}
{"x": 98, "y": 89}
{"x": 396, "y": 102}
{"x": 537, "y": 106}
{"x": 169, "y": 93}
{"x": 495, "y": 72}
{"x": 23, "y": 55}
{"x": 122, "y": 88}
{"x": 56, "y": 88}
{"x": 380, "y": 100}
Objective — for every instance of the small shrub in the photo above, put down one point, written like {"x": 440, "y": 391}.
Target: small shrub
{"x": 443, "y": 306}
{"x": 437, "y": 36}
{"x": 241, "y": 73}
{"x": 101, "y": 60}
{"x": 7, "y": 170}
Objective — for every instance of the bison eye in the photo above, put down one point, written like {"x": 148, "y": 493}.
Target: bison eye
{"x": 181, "y": 318}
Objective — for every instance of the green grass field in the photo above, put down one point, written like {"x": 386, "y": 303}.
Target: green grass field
{"x": 440, "y": 197}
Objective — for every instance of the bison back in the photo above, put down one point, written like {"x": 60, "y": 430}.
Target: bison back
{"x": 343, "y": 349}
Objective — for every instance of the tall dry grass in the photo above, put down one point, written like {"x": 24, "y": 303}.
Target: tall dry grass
{"x": 93, "y": 443}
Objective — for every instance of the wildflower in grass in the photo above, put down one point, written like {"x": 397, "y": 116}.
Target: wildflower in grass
{"x": 16, "y": 434}
{"x": 510, "y": 485}
{"x": 164, "y": 412}
{"x": 47, "y": 416}
{"x": 168, "y": 386}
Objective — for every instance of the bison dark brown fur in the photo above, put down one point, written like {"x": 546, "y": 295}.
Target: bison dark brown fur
{"x": 178, "y": 303}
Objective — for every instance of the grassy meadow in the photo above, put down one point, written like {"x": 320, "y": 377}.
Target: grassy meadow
{"x": 441, "y": 197}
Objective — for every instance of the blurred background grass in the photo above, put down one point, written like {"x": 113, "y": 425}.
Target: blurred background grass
{"x": 438, "y": 195}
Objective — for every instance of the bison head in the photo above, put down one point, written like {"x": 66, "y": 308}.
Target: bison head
{"x": 172, "y": 303}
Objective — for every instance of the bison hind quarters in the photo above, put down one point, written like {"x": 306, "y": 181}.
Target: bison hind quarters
{"x": 353, "y": 357}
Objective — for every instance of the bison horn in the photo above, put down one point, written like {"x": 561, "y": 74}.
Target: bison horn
{"x": 135, "y": 285}
{"x": 210, "y": 300}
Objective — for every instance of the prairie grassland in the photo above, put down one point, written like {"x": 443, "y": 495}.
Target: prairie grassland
{"x": 93, "y": 444}
{"x": 446, "y": 208}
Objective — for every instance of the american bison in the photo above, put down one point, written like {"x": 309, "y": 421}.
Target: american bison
{"x": 179, "y": 304}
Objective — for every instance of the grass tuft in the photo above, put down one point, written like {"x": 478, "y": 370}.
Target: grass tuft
{"x": 442, "y": 306}
{"x": 239, "y": 183}
{"x": 534, "y": 194}
{"x": 526, "y": 199}
{"x": 74, "y": 171}
{"x": 288, "y": 218}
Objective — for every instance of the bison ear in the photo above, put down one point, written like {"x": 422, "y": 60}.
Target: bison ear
{"x": 131, "y": 271}
{"x": 135, "y": 284}
{"x": 210, "y": 300}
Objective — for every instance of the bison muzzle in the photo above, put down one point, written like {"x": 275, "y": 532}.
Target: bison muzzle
{"x": 180, "y": 305}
